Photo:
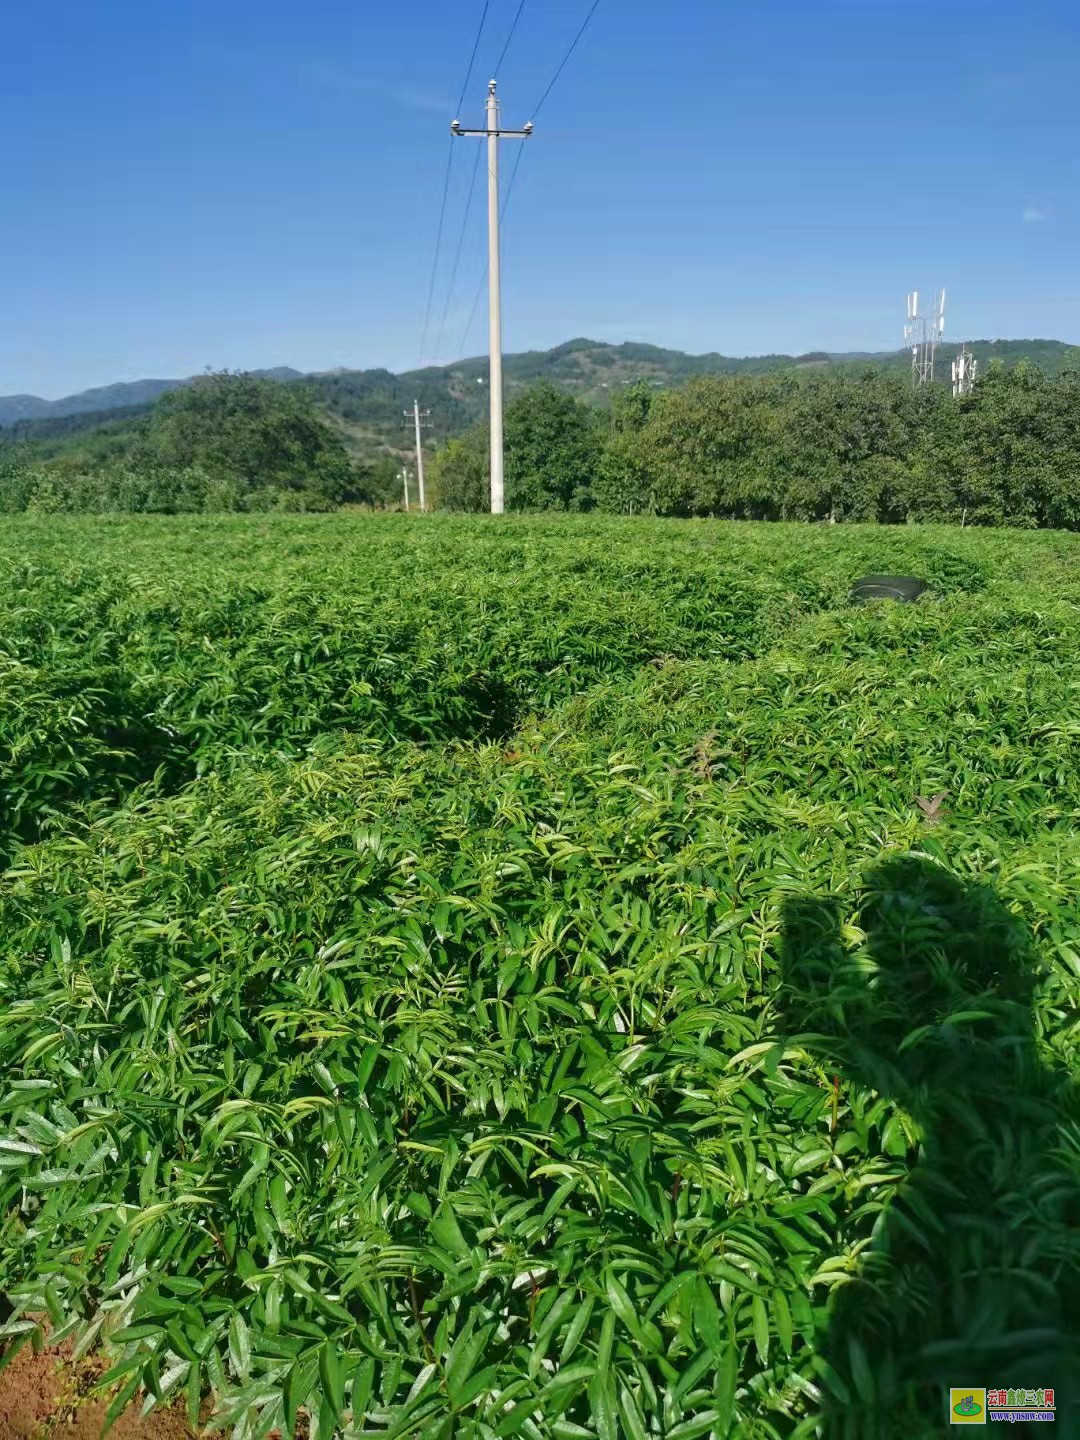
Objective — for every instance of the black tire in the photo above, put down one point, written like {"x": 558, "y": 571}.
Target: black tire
{"x": 903, "y": 588}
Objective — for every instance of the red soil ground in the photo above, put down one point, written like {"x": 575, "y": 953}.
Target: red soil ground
{"x": 47, "y": 1397}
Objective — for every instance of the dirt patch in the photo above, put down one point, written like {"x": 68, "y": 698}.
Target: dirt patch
{"x": 48, "y": 1397}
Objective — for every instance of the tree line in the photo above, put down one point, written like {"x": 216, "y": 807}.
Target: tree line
{"x": 847, "y": 447}
{"x": 834, "y": 445}
{"x": 228, "y": 442}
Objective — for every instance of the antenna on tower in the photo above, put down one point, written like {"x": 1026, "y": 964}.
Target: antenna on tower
{"x": 922, "y": 334}
{"x": 964, "y": 368}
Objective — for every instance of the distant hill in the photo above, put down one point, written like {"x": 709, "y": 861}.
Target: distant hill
{"x": 20, "y": 407}
{"x": 592, "y": 367}
{"x": 122, "y": 396}
{"x": 371, "y": 401}
{"x": 368, "y": 404}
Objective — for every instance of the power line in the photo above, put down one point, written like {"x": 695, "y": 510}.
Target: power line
{"x": 566, "y": 57}
{"x": 535, "y": 111}
{"x": 435, "y": 256}
{"x": 472, "y": 57}
{"x": 510, "y": 186}
{"x": 484, "y": 272}
{"x": 506, "y": 47}
{"x": 472, "y": 187}
{"x": 446, "y": 189}
{"x": 457, "y": 254}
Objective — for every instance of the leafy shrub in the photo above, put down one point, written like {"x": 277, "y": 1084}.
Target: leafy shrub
{"x": 226, "y": 443}
{"x": 655, "y": 1064}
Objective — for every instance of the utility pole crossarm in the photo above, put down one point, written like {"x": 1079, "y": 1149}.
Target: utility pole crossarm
{"x": 456, "y": 128}
{"x": 492, "y": 133}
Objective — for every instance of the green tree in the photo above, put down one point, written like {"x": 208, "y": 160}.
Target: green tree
{"x": 269, "y": 436}
{"x": 622, "y": 474}
{"x": 458, "y": 475}
{"x": 1018, "y": 451}
{"x": 930, "y": 490}
{"x": 707, "y": 447}
{"x": 553, "y": 445}
{"x": 842, "y": 442}
{"x": 377, "y": 482}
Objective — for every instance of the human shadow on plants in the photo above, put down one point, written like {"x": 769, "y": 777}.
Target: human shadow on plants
{"x": 970, "y": 1273}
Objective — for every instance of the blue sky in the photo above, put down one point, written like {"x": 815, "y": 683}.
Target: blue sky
{"x": 230, "y": 183}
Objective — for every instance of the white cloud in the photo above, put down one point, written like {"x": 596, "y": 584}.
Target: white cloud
{"x": 344, "y": 81}
{"x": 1033, "y": 217}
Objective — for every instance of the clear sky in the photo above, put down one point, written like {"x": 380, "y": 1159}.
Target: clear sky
{"x": 231, "y": 183}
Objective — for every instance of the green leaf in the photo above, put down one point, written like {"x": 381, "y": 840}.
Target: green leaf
{"x": 295, "y": 1392}
{"x": 782, "y": 1317}
{"x": 605, "y": 1346}
{"x": 577, "y": 1329}
{"x": 193, "y": 1390}
{"x": 119, "y": 1403}
{"x": 239, "y": 1346}
{"x": 707, "y": 1315}
{"x": 727, "y": 1377}
{"x": 761, "y": 1328}
{"x": 332, "y": 1375}
{"x": 633, "y": 1420}
{"x": 810, "y": 1161}
{"x": 446, "y": 1231}
{"x": 620, "y": 1303}
{"x": 861, "y": 1372}
{"x": 699, "y": 1425}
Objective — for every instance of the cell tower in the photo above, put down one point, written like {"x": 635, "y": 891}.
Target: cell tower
{"x": 922, "y": 334}
{"x": 963, "y": 372}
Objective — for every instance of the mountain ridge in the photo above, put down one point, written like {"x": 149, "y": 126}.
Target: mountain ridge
{"x": 372, "y": 398}
{"x": 120, "y": 395}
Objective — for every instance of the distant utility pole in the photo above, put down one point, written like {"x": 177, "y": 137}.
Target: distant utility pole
{"x": 963, "y": 372}
{"x": 405, "y": 482}
{"x": 923, "y": 333}
{"x": 494, "y": 134}
{"x": 421, "y": 421}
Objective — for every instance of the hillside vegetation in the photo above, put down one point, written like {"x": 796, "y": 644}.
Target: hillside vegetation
{"x": 370, "y": 402}
{"x": 103, "y": 399}
{"x": 546, "y": 977}
{"x": 864, "y": 446}
{"x": 814, "y": 445}
{"x": 227, "y": 442}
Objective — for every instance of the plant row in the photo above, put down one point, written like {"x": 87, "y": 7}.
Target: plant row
{"x": 695, "y": 1059}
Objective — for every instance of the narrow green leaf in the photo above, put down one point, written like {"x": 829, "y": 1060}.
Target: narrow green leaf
{"x": 332, "y": 1375}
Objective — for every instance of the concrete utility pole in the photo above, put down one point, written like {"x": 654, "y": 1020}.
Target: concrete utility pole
{"x": 421, "y": 421}
{"x": 493, "y": 135}
{"x": 405, "y": 482}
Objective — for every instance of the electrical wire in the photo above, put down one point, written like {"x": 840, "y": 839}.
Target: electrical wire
{"x": 566, "y": 57}
{"x": 446, "y": 190}
{"x": 435, "y": 256}
{"x": 506, "y": 47}
{"x": 472, "y": 184}
{"x": 484, "y": 274}
{"x": 513, "y": 175}
{"x": 479, "y": 148}
{"x": 472, "y": 57}
{"x": 472, "y": 187}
